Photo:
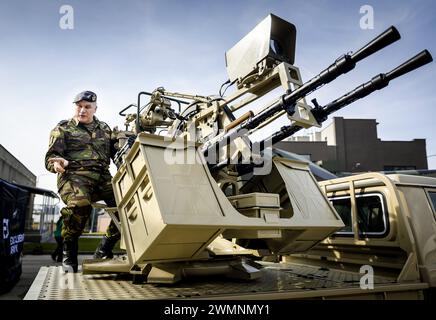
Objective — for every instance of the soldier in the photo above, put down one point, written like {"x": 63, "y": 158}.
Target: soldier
{"x": 79, "y": 151}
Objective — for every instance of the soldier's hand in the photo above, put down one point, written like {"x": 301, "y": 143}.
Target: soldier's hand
{"x": 59, "y": 164}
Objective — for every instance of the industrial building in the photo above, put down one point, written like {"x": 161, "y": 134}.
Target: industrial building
{"x": 352, "y": 145}
{"x": 13, "y": 171}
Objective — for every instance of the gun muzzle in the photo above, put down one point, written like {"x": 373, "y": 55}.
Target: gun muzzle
{"x": 416, "y": 62}
{"x": 383, "y": 40}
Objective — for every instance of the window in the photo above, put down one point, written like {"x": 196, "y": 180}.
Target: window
{"x": 371, "y": 215}
{"x": 343, "y": 207}
{"x": 432, "y": 197}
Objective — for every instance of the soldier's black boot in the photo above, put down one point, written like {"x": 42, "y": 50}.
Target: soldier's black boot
{"x": 104, "y": 249}
{"x": 70, "y": 252}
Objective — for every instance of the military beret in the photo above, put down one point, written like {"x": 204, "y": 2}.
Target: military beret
{"x": 85, "y": 95}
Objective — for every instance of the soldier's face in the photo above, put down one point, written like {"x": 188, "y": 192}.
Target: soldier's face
{"x": 85, "y": 111}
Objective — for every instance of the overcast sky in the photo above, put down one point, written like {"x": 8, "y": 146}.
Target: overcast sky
{"x": 118, "y": 48}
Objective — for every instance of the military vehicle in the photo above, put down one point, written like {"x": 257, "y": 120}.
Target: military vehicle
{"x": 199, "y": 203}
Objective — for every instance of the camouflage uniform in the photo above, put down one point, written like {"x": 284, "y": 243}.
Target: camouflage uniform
{"x": 88, "y": 148}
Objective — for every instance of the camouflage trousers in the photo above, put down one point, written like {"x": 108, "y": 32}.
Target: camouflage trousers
{"x": 78, "y": 189}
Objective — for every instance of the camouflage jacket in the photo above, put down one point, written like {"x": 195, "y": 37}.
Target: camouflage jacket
{"x": 85, "y": 148}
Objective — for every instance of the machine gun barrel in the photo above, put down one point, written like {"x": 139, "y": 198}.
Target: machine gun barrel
{"x": 287, "y": 102}
{"x": 376, "y": 83}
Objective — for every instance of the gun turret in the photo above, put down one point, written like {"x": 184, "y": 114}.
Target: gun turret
{"x": 288, "y": 101}
{"x": 176, "y": 208}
